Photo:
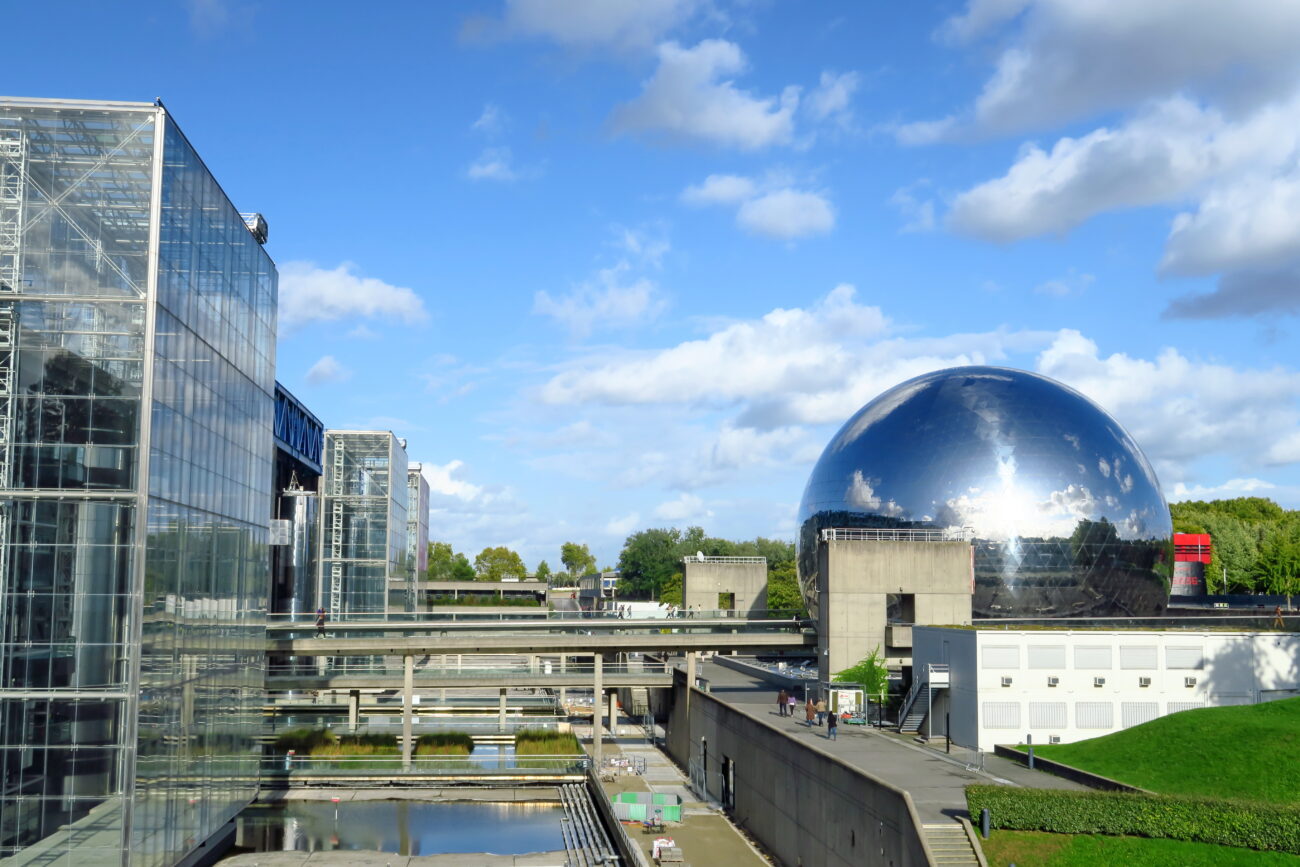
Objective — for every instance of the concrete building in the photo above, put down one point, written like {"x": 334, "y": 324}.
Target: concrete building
{"x": 725, "y": 584}
{"x": 364, "y": 505}
{"x": 1065, "y": 685}
{"x": 873, "y": 585}
{"x": 137, "y": 347}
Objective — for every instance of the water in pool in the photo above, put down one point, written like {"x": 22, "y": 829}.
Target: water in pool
{"x": 403, "y": 827}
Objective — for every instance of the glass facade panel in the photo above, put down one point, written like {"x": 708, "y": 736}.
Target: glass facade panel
{"x": 364, "y": 526}
{"x": 114, "y": 751}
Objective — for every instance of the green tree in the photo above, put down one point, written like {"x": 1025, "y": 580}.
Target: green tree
{"x": 577, "y": 559}
{"x": 671, "y": 592}
{"x": 543, "y": 572}
{"x": 461, "y": 569}
{"x": 870, "y": 673}
{"x": 1278, "y": 567}
{"x": 441, "y": 560}
{"x": 783, "y": 589}
{"x": 648, "y": 559}
{"x": 493, "y": 564}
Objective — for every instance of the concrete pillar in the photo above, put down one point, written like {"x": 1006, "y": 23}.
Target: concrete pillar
{"x": 408, "y": 708}
{"x": 690, "y": 681}
{"x": 613, "y": 713}
{"x": 501, "y": 711}
{"x": 597, "y": 693}
{"x": 354, "y": 709}
{"x": 564, "y": 657}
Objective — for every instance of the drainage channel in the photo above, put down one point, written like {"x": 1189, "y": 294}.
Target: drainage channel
{"x": 585, "y": 840}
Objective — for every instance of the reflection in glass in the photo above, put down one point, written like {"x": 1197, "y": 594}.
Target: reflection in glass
{"x": 1066, "y": 513}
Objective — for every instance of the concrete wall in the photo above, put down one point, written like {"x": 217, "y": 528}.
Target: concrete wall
{"x": 805, "y": 806}
{"x": 703, "y": 581}
{"x": 855, "y": 577}
{"x": 1185, "y": 670}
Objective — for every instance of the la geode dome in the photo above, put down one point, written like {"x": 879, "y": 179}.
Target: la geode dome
{"x": 1065, "y": 511}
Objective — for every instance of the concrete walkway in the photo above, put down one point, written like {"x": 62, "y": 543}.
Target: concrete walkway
{"x": 935, "y": 781}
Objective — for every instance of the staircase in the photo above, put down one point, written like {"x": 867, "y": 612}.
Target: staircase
{"x": 949, "y": 844}
{"x": 917, "y": 712}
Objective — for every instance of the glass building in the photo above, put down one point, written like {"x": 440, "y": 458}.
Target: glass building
{"x": 1065, "y": 513}
{"x": 363, "y": 515}
{"x": 137, "y": 337}
{"x": 417, "y": 534}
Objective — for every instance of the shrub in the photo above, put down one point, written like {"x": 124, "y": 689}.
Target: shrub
{"x": 444, "y": 744}
{"x": 544, "y": 742}
{"x": 1177, "y": 817}
{"x": 303, "y": 741}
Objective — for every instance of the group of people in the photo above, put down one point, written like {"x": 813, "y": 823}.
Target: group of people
{"x": 815, "y": 713}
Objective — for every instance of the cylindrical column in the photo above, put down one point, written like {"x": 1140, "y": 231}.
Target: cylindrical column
{"x": 613, "y": 713}
{"x": 354, "y": 709}
{"x": 408, "y": 708}
{"x": 563, "y": 692}
{"x": 501, "y": 711}
{"x": 597, "y": 694}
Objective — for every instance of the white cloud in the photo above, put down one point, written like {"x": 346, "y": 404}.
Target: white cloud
{"x": 444, "y": 480}
{"x": 491, "y": 120}
{"x": 786, "y": 215}
{"x": 691, "y": 96}
{"x": 586, "y": 24}
{"x": 771, "y": 208}
{"x": 1072, "y": 283}
{"x": 1226, "y": 491}
{"x": 918, "y": 212}
{"x": 1051, "y": 70}
{"x": 1249, "y": 223}
{"x": 830, "y": 99}
{"x": 622, "y": 527}
{"x": 609, "y": 301}
{"x": 720, "y": 190}
{"x": 362, "y": 332}
{"x": 328, "y": 370}
{"x": 687, "y": 508}
{"x": 309, "y": 293}
{"x": 1249, "y": 292}
{"x": 1180, "y": 409}
{"x": 493, "y": 164}
{"x": 793, "y": 366}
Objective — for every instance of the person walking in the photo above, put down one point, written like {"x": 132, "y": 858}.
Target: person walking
{"x": 320, "y": 622}
{"x": 832, "y": 725}
{"x": 780, "y": 703}
{"x": 810, "y": 711}
{"x": 821, "y": 710}
{"x": 790, "y": 702}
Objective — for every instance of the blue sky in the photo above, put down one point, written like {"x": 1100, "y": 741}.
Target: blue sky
{"x": 615, "y": 265}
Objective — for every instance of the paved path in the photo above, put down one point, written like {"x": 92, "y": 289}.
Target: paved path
{"x": 936, "y": 782}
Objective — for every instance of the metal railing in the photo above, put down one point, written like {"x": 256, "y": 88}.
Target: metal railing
{"x": 524, "y": 615}
{"x": 900, "y": 534}
{"x": 450, "y": 766}
{"x": 729, "y": 561}
{"x": 340, "y": 667}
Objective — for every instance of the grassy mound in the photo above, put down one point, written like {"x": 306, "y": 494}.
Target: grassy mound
{"x": 544, "y": 742}
{"x": 1088, "y": 850}
{"x": 1247, "y": 752}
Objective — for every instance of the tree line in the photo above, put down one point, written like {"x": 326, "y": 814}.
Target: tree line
{"x": 1255, "y": 543}
{"x": 1256, "y": 549}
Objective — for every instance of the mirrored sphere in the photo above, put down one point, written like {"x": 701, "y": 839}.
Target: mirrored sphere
{"x": 1065, "y": 511}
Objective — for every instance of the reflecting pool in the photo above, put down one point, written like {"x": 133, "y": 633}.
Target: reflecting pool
{"x": 402, "y": 827}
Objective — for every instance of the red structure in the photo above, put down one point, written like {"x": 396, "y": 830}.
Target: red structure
{"x": 1191, "y": 556}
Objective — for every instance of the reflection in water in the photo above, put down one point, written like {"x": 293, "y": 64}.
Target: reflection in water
{"x": 403, "y": 827}
{"x": 1066, "y": 512}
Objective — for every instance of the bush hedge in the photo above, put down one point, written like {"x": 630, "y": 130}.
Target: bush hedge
{"x": 1176, "y": 817}
{"x": 444, "y": 744}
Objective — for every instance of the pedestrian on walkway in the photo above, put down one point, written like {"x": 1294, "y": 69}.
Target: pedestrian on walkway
{"x": 780, "y": 703}
{"x": 821, "y": 710}
{"x": 810, "y": 711}
{"x": 320, "y": 622}
{"x": 832, "y": 725}
{"x": 790, "y": 702}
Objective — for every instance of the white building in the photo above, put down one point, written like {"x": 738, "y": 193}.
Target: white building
{"x": 1069, "y": 684}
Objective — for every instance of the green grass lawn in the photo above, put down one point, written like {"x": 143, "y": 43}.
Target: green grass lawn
{"x": 1038, "y": 849}
{"x": 1250, "y": 752}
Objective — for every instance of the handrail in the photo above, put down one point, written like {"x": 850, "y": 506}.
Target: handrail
{"x": 750, "y": 561}
{"x": 898, "y": 534}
